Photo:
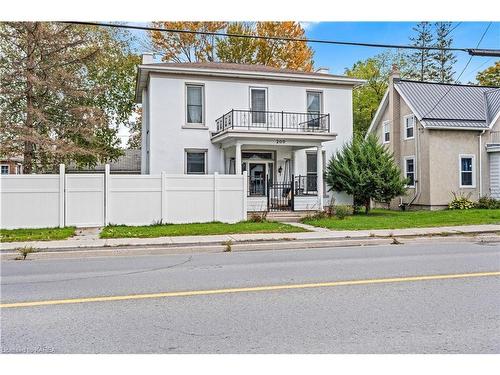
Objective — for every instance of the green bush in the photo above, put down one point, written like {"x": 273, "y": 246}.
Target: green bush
{"x": 460, "y": 201}
{"x": 487, "y": 203}
{"x": 343, "y": 210}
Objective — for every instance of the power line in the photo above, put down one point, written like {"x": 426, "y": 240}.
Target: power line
{"x": 320, "y": 41}
{"x": 463, "y": 70}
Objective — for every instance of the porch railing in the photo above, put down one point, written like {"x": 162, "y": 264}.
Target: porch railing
{"x": 494, "y": 138}
{"x": 274, "y": 121}
{"x": 306, "y": 185}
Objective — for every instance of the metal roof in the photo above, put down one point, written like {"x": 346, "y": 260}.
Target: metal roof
{"x": 449, "y": 105}
{"x": 492, "y": 104}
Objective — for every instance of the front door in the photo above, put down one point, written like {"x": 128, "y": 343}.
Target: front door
{"x": 257, "y": 174}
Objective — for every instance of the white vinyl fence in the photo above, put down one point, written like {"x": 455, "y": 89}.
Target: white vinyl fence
{"x": 91, "y": 200}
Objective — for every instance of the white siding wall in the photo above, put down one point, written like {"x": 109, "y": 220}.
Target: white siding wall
{"x": 495, "y": 174}
{"x": 168, "y": 138}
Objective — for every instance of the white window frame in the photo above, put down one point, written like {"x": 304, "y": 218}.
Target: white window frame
{"x": 406, "y": 158}
{"x": 198, "y": 151}
{"x": 473, "y": 172}
{"x": 194, "y": 124}
{"x": 8, "y": 169}
{"x": 405, "y": 118}
{"x": 386, "y": 131}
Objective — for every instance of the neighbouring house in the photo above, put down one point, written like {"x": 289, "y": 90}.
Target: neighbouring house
{"x": 444, "y": 137}
{"x": 128, "y": 163}
{"x": 12, "y": 165}
{"x": 279, "y": 126}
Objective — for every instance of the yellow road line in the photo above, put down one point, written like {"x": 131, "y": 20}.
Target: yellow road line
{"x": 248, "y": 289}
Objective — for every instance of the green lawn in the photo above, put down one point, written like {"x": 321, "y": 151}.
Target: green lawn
{"x": 41, "y": 234}
{"x": 385, "y": 219}
{"x": 197, "y": 229}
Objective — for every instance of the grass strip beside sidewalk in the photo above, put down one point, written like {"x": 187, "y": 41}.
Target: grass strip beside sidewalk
{"x": 38, "y": 234}
{"x": 197, "y": 229}
{"x": 388, "y": 219}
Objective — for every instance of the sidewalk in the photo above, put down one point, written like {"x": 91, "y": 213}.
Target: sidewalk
{"x": 80, "y": 242}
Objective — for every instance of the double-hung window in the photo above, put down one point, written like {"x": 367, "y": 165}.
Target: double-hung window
{"x": 196, "y": 162}
{"x": 5, "y": 169}
{"x": 409, "y": 122}
{"x": 410, "y": 170}
{"x": 467, "y": 178}
{"x": 387, "y": 131}
{"x": 194, "y": 104}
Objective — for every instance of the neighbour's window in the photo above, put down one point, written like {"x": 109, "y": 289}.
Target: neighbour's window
{"x": 409, "y": 127}
{"x": 196, "y": 162}
{"x": 410, "y": 171}
{"x": 387, "y": 132}
{"x": 5, "y": 169}
{"x": 194, "y": 102}
{"x": 466, "y": 171}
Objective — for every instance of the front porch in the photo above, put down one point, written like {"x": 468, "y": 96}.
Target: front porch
{"x": 285, "y": 169}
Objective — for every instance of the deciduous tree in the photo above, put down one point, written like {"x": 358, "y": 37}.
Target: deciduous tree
{"x": 490, "y": 76}
{"x": 366, "y": 98}
{"x": 53, "y": 103}
{"x": 184, "y": 47}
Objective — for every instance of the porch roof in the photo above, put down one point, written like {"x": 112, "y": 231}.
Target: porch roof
{"x": 230, "y": 137}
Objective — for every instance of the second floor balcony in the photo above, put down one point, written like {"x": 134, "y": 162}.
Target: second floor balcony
{"x": 274, "y": 121}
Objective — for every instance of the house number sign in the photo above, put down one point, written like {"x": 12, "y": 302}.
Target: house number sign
{"x": 280, "y": 141}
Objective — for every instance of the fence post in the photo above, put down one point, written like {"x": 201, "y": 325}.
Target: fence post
{"x": 163, "y": 197}
{"x": 106, "y": 195}
{"x": 245, "y": 195}
{"x": 215, "y": 200}
{"x": 62, "y": 195}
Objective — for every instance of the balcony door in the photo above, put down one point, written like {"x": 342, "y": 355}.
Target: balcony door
{"x": 313, "y": 108}
{"x": 258, "y": 105}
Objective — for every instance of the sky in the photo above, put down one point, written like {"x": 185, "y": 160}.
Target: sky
{"x": 337, "y": 58}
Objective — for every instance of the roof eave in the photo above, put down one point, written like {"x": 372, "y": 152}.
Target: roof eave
{"x": 380, "y": 109}
{"x": 337, "y": 80}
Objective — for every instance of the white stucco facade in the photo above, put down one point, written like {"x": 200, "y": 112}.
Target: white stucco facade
{"x": 166, "y": 135}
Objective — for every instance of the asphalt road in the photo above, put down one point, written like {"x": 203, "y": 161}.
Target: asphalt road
{"x": 452, "y": 315}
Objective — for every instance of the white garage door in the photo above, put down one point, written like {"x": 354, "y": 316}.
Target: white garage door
{"x": 495, "y": 174}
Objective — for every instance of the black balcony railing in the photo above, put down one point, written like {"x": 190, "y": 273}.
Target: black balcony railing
{"x": 274, "y": 121}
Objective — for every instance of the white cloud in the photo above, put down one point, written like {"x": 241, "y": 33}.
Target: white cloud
{"x": 308, "y": 25}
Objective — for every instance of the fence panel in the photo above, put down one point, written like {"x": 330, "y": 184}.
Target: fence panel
{"x": 87, "y": 200}
{"x": 134, "y": 199}
{"x": 30, "y": 201}
{"x": 84, "y": 197}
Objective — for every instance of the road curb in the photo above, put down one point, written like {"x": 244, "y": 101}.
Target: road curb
{"x": 239, "y": 246}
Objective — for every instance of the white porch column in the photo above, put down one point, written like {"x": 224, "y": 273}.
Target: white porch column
{"x": 237, "y": 161}
{"x": 319, "y": 162}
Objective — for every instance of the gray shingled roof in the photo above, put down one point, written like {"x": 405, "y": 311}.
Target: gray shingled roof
{"x": 130, "y": 162}
{"x": 446, "y": 105}
{"x": 239, "y": 67}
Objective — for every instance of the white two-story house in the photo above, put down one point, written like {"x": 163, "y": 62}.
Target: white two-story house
{"x": 280, "y": 126}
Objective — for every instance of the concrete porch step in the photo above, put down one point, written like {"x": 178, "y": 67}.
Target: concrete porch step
{"x": 285, "y": 216}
